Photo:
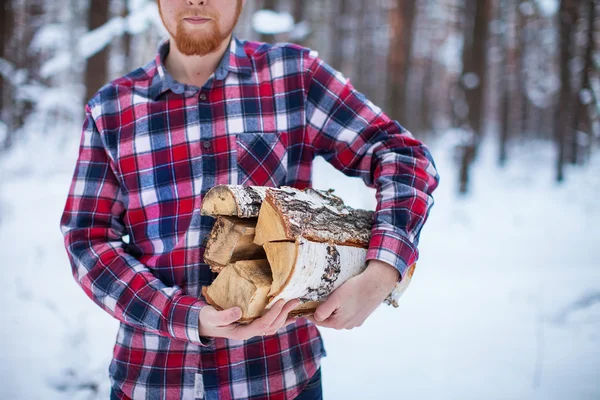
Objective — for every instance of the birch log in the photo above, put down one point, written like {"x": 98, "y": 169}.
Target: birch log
{"x": 310, "y": 271}
{"x": 233, "y": 200}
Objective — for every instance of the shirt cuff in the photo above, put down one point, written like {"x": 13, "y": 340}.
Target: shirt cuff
{"x": 184, "y": 321}
{"x": 392, "y": 247}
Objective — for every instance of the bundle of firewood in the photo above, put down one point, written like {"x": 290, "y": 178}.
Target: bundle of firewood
{"x": 269, "y": 244}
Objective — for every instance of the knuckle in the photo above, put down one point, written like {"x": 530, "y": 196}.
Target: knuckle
{"x": 264, "y": 326}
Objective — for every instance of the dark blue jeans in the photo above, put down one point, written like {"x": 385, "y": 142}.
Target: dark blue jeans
{"x": 312, "y": 391}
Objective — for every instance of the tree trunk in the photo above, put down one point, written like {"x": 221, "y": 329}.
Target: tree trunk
{"x": 475, "y": 63}
{"x": 581, "y": 121}
{"x": 566, "y": 20}
{"x": 473, "y": 80}
{"x": 522, "y": 40}
{"x": 6, "y": 18}
{"x": 506, "y": 86}
{"x": 96, "y": 69}
{"x": 401, "y": 17}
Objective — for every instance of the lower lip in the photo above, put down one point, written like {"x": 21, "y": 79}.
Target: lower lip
{"x": 197, "y": 21}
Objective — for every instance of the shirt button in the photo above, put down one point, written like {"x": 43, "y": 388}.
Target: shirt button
{"x": 206, "y": 144}
{"x": 202, "y": 96}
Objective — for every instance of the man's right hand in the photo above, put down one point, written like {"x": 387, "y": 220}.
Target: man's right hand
{"x": 215, "y": 323}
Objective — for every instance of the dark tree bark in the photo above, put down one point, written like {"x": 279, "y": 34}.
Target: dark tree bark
{"x": 507, "y": 81}
{"x": 521, "y": 53}
{"x": 581, "y": 120}
{"x": 401, "y": 18}
{"x": 475, "y": 62}
{"x": 567, "y": 17}
{"x": 6, "y": 18}
{"x": 24, "y": 59}
{"x": 474, "y": 79}
{"x": 96, "y": 70}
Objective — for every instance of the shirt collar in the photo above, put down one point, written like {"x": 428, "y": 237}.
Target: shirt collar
{"x": 234, "y": 60}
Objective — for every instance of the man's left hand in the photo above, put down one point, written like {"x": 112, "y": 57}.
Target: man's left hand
{"x": 349, "y": 305}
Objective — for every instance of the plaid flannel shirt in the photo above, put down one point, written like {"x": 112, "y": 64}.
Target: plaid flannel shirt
{"x": 151, "y": 147}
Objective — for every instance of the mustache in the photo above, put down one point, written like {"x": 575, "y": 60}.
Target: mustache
{"x": 207, "y": 15}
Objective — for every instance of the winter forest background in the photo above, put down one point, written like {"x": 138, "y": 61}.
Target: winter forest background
{"x": 505, "y": 301}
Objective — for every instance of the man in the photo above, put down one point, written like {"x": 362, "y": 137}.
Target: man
{"x": 212, "y": 109}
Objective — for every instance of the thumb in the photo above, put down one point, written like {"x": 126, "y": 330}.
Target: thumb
{"x": 221, "y": 318}
{"x": 327, "y": 308}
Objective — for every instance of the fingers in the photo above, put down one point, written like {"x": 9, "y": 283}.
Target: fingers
{"x": 288, "y": 321}
{"x": 281, "y": 318}
{"x": 213, "y": 317}
{"x": 260, "y": 325}
{"x": 327, "y": 308}
{"x": 337, "y": 322}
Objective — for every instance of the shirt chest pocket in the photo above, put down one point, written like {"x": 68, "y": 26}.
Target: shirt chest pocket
{"x": 262, "y": 158}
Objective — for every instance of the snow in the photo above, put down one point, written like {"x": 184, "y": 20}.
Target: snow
{"x": 270, "y": 22}
{"x": 504, "y": 302}
{"x": 548, "y": 8}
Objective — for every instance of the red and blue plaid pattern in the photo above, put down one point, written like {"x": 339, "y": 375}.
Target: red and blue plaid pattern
{"x": 152, "y": 147}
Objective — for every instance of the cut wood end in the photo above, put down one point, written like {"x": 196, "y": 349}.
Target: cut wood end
{"x": 244, "y": 284}
{"x": 270, "y": 226}
{"x": 282, "y": 257}
{"x": 231, "y": 240}
{"x": 219, "y": 201}
{"x": 400, "y": 287}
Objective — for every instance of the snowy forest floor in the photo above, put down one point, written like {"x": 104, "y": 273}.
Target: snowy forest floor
{"x": 504, "y": 303}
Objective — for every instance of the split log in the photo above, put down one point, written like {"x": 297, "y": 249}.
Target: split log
{"x": 245, "y": 284}
{"x": 233, "y": 200}
{"x": 289, "y": 213}
{"x": 231, "y": 240}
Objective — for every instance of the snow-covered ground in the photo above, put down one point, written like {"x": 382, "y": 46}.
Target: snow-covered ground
{"x": 504, "y": 304}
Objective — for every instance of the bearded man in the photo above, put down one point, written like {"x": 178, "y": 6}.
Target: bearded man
{"x": 213, "y": 109}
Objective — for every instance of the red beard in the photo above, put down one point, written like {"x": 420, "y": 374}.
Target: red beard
{"x": 204, "y": 41}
